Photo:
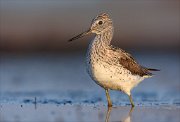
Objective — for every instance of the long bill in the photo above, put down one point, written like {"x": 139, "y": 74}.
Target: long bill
{"x": 80, "y": 35}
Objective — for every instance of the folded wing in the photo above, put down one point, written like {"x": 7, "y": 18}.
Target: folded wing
{"x": 128, "y": 62}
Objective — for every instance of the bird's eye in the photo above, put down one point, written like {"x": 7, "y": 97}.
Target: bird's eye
{"x": 100, "y": 22}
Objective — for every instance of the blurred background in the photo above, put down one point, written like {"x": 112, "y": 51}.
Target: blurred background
{"x": 36, "y": 58}
{"x": 46, "y": 25}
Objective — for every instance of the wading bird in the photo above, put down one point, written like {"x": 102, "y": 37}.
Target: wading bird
{"x": 111, "y": 67}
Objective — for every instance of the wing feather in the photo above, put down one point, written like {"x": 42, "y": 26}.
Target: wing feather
{"x": 128, "y": 62}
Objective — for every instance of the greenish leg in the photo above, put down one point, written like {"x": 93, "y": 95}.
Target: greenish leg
{"x": 108, "y": 98}
{"x": 131, "y": 110}
{"x": 108, "y": 114}
{"x": 131, "y": 100}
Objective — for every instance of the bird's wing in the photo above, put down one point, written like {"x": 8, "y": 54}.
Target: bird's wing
{"x": 128, "y": 62}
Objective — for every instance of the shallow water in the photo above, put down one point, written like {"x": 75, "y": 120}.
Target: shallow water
{"x": 85, "y": 113}
{"x": 57, "y": 84}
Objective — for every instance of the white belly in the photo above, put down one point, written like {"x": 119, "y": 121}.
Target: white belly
{"x": 113, "y": 77}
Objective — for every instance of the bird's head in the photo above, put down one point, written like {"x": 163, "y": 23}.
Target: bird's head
{"x": 99, "y": 25}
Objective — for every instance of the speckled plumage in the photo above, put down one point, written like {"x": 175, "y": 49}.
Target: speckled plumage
{"x": 105, "y": 68}
{"x": 111, "y": 67}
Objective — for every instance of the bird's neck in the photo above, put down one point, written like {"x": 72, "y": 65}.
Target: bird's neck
{"x": 101, "y": 43}
{"x": 105, "y": 37}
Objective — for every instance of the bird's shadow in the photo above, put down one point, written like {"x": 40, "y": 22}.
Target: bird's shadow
{"x": 126, "y": 119}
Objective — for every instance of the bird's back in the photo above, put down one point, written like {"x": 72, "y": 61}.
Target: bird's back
{"x": 128, "y": 62}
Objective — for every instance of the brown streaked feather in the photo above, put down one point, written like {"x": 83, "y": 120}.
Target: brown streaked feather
{"x": 128, "y": 62}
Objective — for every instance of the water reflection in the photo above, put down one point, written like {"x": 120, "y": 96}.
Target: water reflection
{"x": 126, "y": 119}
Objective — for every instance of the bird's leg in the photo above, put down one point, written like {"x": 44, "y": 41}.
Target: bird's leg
{"x": 108, "y": 114}
{"x": 108, "y": 98}
{"x": 131, "y": 100}
{"x": 131, "y": 110}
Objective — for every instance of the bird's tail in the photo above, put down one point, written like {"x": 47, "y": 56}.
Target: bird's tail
{"x": 149, "y": 74}
{"x": 150, "y": 69}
